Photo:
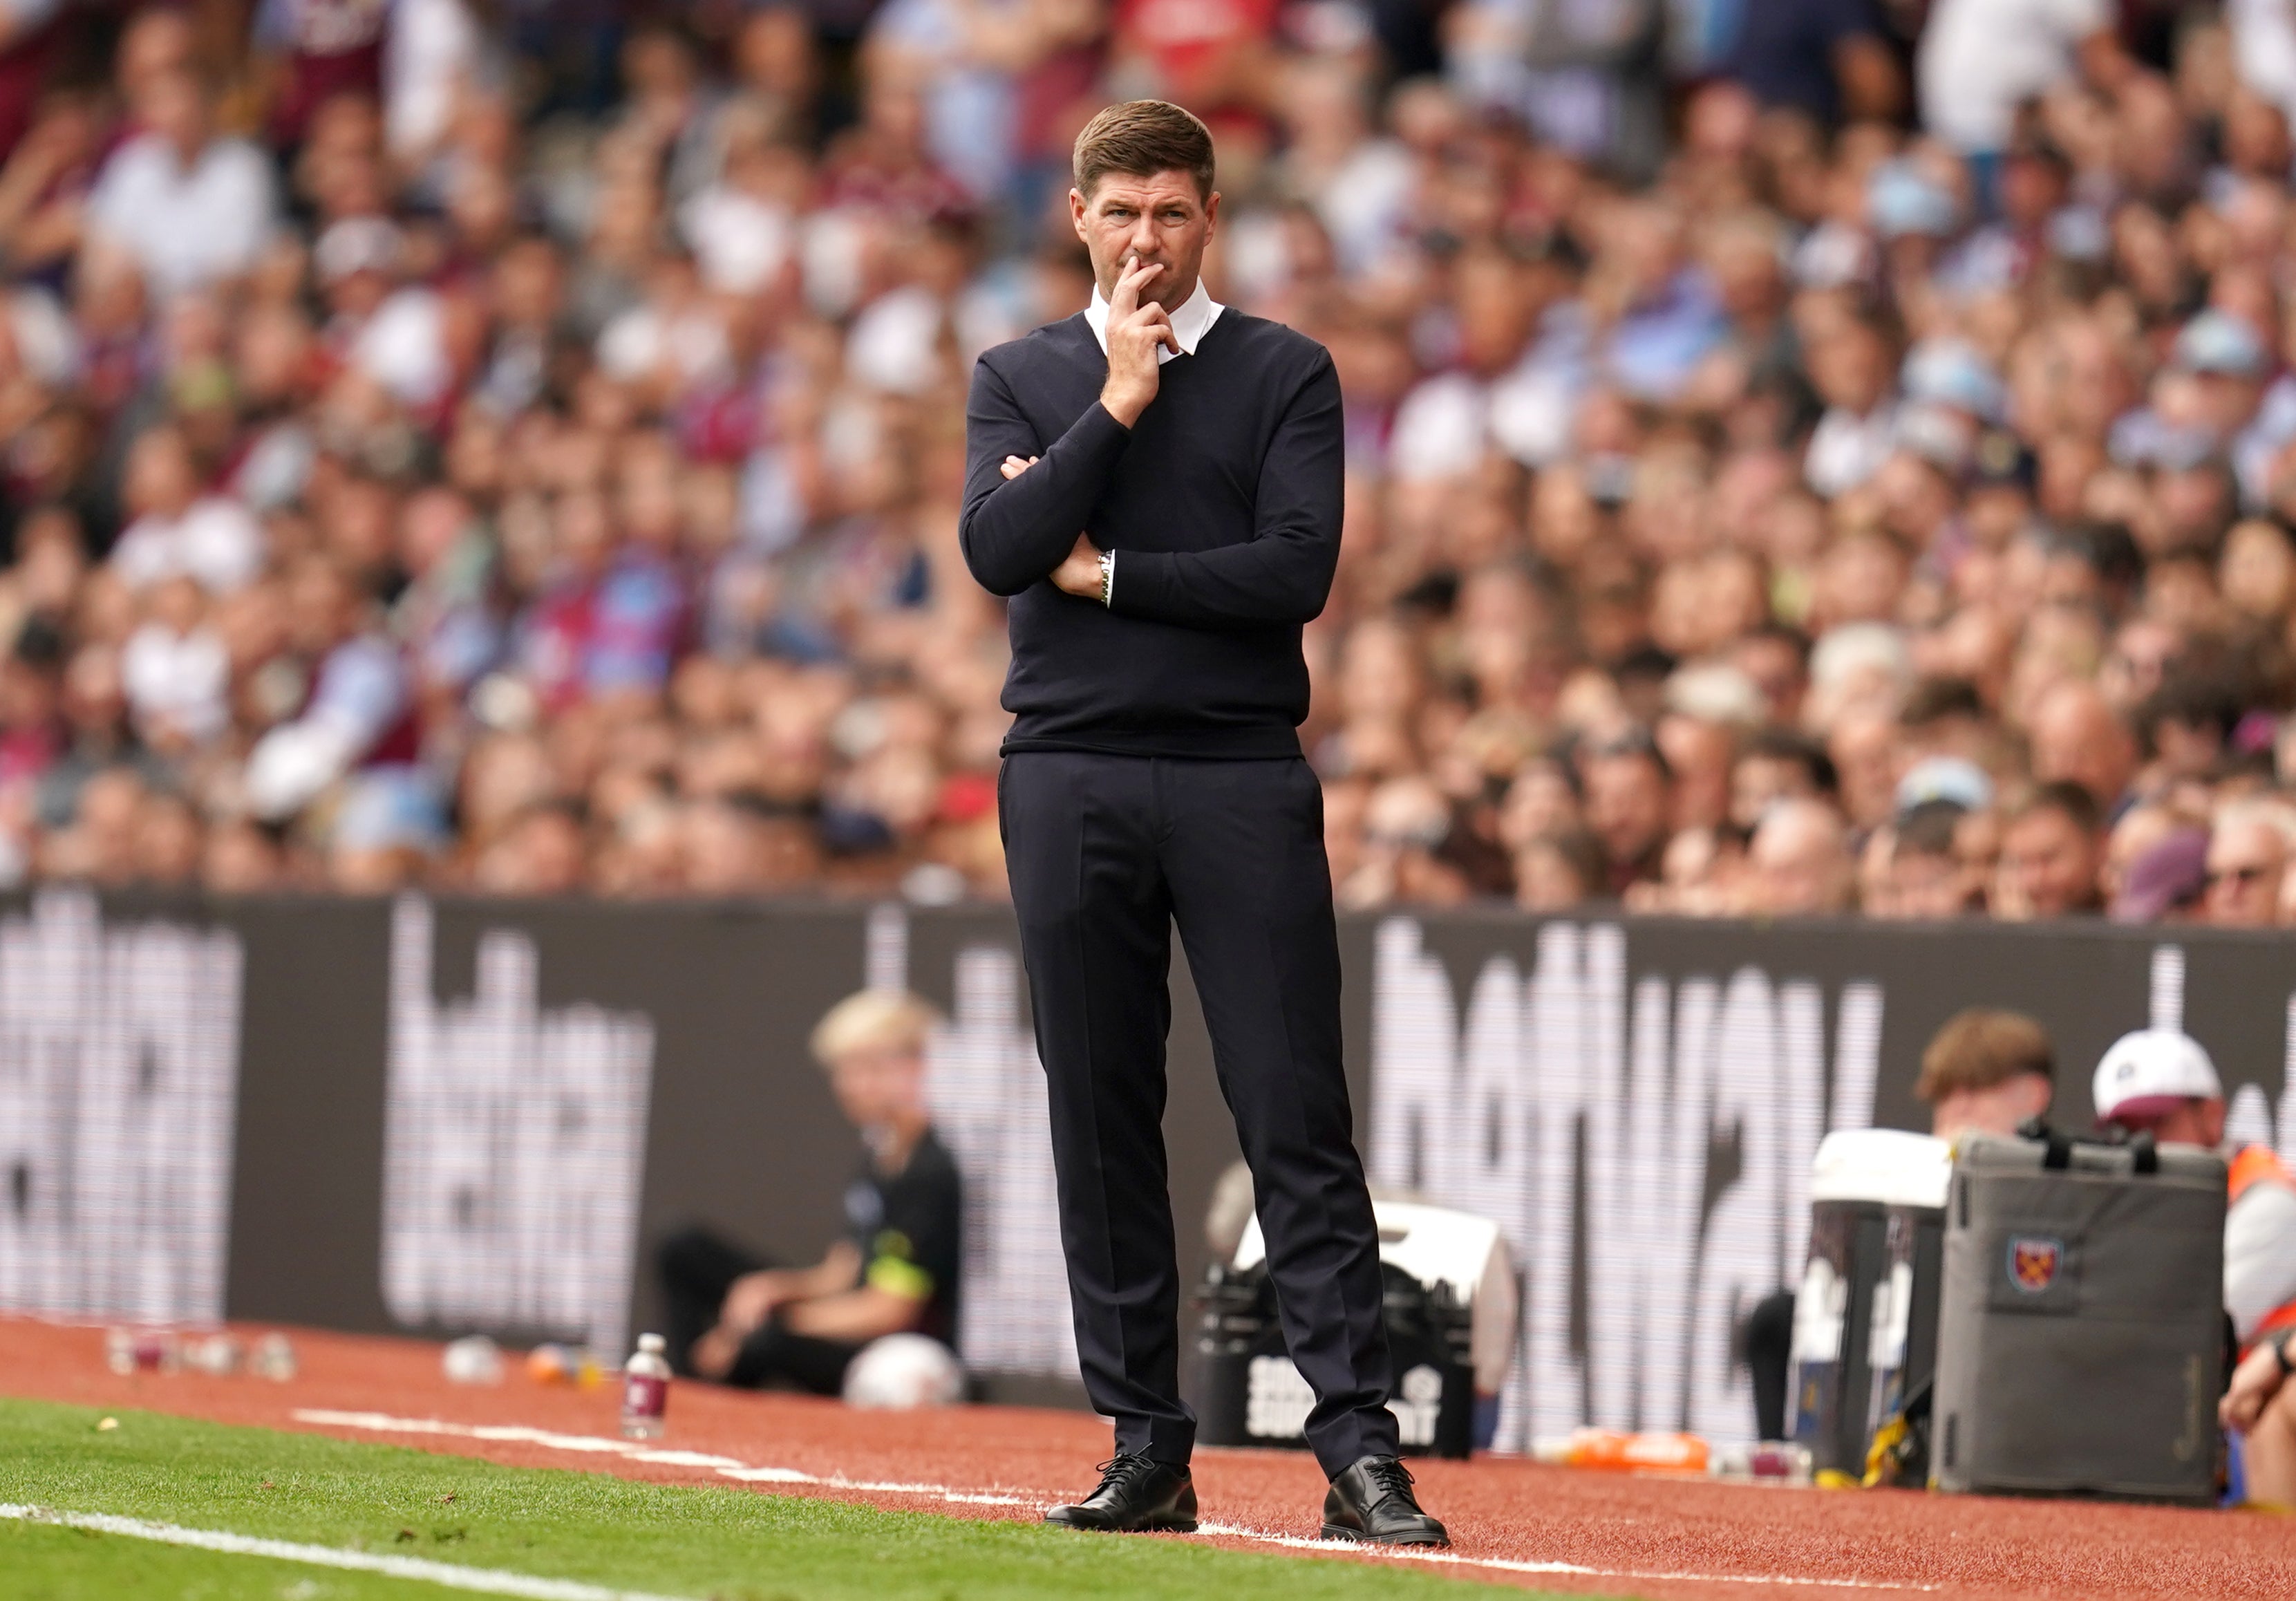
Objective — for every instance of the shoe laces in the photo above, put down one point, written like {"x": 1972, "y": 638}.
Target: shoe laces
{"x": 1389, "y": 1477}
{"x": 1123, "y": 1474}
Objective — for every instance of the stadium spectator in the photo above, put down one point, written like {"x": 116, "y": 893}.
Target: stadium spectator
{"x": 2078, "y": 738}
{"x": 1829, "y": 58}
{"x": 188, "y": 204}
{"x": 1556, "y": 871}
{"x": 1926, "y": 875}
{"x": 1777, "y": 764}
{"x": 2132, "y": 833}
{"x": 1629, "y": 805}
{"x": 1982, "y": 60}
{"x": 737, "y": 1320}
{"x": 1798, "y": 862}
{"x": 2247, "y": 862}
{"x": 2165, "y": 881}
{"x": 2050, "y": 853}
{"x": 178, "y": 532}
{"x": 1818, "y": 446}
{"x": 2160, "y": 1082}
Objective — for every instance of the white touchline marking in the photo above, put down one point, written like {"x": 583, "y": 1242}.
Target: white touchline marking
{"x": 725, "y": 1467}
{"x": 684, "y": 1460}
{"x": 487, "y": 1582}
{"x": 1509, "y": 1564}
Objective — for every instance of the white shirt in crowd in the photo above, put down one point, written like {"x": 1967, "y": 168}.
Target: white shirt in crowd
{"x": 739, "y": 241}
{"x": 1846, "y": 450}
{"x": 432, "y": 52}
{"x": 2264, "y": 49}
{"x": 403, "y": 346}
{"x": 688, "y": 342}
{"x": 185, "y": 227}
{"x": 177, "y": 683}
{"x": 217, "y": 540}
{"x": 1980, "y": 59}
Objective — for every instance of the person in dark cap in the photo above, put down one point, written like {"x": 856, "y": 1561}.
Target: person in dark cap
{"x": 1927, "y": 877}
{"x": 2165, "y": 881}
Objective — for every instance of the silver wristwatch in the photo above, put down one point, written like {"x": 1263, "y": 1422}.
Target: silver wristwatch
{"x": 1107, "y": 578}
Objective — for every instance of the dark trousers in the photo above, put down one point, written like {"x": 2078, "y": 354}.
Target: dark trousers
{"x": 697, "y": 1268}
{"x": 1106, "y": 853}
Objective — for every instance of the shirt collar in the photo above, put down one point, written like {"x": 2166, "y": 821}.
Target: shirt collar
{"x": 1190, "y": 323}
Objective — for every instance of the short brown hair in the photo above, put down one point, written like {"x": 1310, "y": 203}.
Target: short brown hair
{"x": 1981, "y": 1048}
{"x": 1141, "y": 138}
{"x": 2066, "y": 797}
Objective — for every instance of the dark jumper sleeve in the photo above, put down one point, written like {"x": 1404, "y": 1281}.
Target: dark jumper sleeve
{"x": 1283, "y": 574}
{"x": 1014, "y": 534}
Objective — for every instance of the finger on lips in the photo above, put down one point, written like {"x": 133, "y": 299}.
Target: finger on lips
{"x": 1136, "y": 273}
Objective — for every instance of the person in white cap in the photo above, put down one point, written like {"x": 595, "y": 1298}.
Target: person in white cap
{"x": 2159, "y": 1081}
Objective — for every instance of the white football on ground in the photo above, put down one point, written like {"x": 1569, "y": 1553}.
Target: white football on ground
{"x": 902, "y": 1372}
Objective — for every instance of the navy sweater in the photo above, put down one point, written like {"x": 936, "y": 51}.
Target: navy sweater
{"x": 1222, "y": 504}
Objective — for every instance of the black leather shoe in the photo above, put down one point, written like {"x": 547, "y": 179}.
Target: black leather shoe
{"x": 1137, "y": 1494}
{"x": 1373, "y": 1502}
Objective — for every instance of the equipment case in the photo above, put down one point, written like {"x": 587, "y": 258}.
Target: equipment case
{"x": 1434, "y": 1263}
{"x": 2081, "y": 1341}
{"x": 1865, "y": 1330}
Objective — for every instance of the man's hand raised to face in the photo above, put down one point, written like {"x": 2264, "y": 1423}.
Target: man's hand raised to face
{"x": 1135, "y": 333}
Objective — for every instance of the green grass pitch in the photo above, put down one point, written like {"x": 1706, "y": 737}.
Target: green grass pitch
{"x": 723, "y": 1543}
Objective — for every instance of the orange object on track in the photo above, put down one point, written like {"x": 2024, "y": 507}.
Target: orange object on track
{"x": 1615, "y": 1450}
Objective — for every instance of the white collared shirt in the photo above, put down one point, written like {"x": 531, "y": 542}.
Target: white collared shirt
{"x": 185, "y": 225}
{"x": 1190, "y": 323}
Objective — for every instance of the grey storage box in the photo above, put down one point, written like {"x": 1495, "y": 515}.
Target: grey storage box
{"x": 2080, "y": 1346}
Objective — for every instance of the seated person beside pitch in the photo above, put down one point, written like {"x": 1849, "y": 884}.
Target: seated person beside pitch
{"x": 2261, "y": 1405}
{"x": 736, "y": 1320}
{"x": 1985, "y": 1073}
{"x": 2161, "y": 1082}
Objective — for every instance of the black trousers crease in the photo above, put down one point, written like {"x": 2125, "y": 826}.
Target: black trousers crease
{"x": 1105, "y": 854}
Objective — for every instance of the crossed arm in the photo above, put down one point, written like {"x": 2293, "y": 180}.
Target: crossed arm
{"x": 1015, "y": 529}
{"x": 1023, "y": 511}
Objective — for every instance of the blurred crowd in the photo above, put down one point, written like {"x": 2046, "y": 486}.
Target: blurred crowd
{"x": 1804, "y": 455}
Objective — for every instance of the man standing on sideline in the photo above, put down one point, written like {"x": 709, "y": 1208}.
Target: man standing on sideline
{"x": 1163, "y": 531}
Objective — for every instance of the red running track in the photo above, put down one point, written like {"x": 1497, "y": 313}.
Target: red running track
{"x": 1516, "y": 1523}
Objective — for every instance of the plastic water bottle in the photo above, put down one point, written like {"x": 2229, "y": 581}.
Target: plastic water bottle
{"x": 143, "y": 1349}
{"x": 219, "y": 1355}
{"x": 272, "y": 1358}
{"x": 645, "y": 1390}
